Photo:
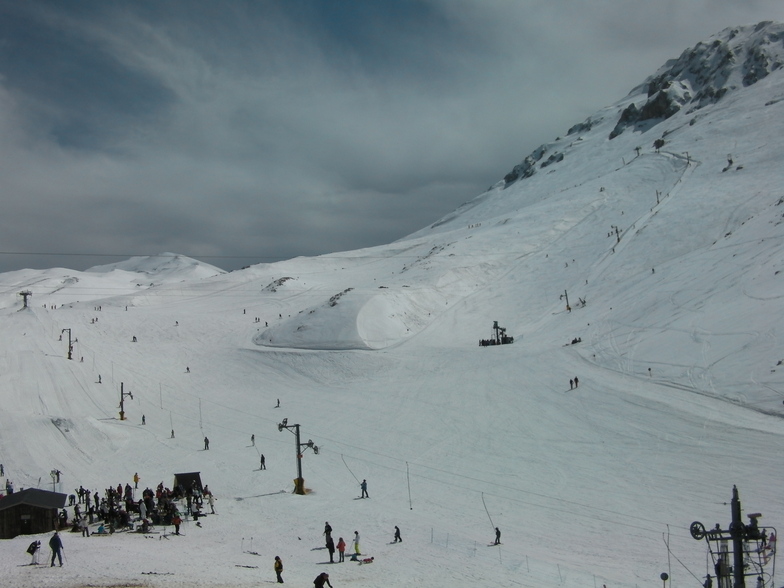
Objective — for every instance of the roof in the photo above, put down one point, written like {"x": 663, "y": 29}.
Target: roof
{"x": 33, "y": 497}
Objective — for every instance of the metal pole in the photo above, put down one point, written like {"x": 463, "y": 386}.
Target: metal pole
{"x": 300, "y": 481}
{"x": 122, "y": 403}
{"x": 736, "y": 532}
{"x": 70, "y": 345}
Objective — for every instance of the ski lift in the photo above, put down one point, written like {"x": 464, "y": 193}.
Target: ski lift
{"x": 758, "y": 550}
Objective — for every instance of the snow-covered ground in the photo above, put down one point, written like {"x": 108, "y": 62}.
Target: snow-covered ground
{"x": 375, "y": 354}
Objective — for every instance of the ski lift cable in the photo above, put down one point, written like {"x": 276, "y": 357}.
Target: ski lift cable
{"x": 348, "y": 468}
{"x": 685, "y": 567}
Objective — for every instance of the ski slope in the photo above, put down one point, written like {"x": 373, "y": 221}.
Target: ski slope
{"x": 375, "y": 354}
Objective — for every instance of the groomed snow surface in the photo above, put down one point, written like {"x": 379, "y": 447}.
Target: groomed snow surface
{"x": 375, "y": 354}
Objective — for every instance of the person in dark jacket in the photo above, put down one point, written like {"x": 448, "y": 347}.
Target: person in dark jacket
{"x": 279, "y": 569}
{"x": 331, "y": 549}
{"x": 321, "y": 579}
{"x": 33, "y": 549}
{"x": 57, "y": 548}
{"x": 497, "y": 536}
{"x": 397, "y": 535}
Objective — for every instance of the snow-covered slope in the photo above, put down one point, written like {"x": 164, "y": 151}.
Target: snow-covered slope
{"x": 667, "y": 241}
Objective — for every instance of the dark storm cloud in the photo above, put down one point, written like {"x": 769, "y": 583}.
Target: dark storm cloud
{"x": 269, "y": 129}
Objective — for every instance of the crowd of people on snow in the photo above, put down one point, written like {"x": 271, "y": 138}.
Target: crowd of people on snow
{"x": 118, "y": 508}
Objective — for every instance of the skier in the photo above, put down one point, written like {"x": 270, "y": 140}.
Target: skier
{"x": 327, "y": 531}
{"x": 176, "y": 521}
{"x": 33, "y": 550}
{"x": 356, "y": 543}
{"x": 321, "y": 579}
{"x": 253, "y": 440}
{"x": 341, "y": 550}
{"x": 211, "y": 500}
{"x": 576, "y": 382}
{"x": 136, "y": 481}
{"x": 363, "y": 486}
{"x": 571, "y": 384}
{"x": 263, "y": 465}
{"x": 57, "y": 546}
{"x": 206, "y": 444}
{"x": 397, "y": 535}
{"x": 279, "y": 569}
{"x": 144, "y": 420}
{"x": 497, "y": 536}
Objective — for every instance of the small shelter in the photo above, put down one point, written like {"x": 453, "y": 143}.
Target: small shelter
{"x": 29, "y": 512}
{"x": 187, "y": 480}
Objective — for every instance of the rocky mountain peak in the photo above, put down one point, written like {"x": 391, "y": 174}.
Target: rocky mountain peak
{"x": 702, "y": 75}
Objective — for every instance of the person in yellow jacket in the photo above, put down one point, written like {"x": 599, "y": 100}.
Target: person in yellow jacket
{"x": 279, "y": 569}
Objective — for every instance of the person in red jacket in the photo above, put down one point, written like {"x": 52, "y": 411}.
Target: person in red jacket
{"x": 341, "y": 550}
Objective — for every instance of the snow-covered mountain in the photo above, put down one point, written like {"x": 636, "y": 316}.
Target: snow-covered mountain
{"x": 659, "y": 218}
{"x": 160, "y": 267}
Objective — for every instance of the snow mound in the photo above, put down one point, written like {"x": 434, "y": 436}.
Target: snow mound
{"x": 351, "y": 319}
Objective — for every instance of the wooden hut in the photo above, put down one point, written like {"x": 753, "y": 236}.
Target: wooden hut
{"x": 29, "y": 512}
{"x": 186, "y": 480}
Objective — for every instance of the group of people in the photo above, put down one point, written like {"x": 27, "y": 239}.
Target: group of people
{"x": 113, "y": 509}
{"x": 118, "y": 509}
{"x": 55, "y": 544}
{"x": 341, "y": 544}
{"x": 323, "y": 578}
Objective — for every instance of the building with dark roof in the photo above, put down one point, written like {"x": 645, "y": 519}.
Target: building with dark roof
{"x": 29, "y": 512}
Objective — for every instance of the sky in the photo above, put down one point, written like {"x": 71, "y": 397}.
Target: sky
{"x": 247, "y": 132}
